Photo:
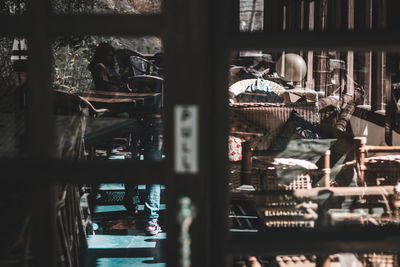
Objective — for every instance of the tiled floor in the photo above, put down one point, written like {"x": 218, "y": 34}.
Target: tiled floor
{"x": 119, "y": 242}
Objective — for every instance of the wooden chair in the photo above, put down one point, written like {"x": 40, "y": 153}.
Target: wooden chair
{"x": 379, "y": 169}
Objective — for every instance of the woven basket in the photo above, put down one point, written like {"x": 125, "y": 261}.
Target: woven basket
{"x": 382, "y": 170}
{"x": 379, "y": 259}
{"x": 264, "y": 178}
{"x": 271, "y": 117}
{"x": 241, "y": 86}
{"x": 234, "y": 176}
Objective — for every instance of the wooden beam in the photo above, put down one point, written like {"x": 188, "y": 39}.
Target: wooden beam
{"x": 309, "y": 241}
{"x": 273, "y": 16}
{"x": 350, "y": 54}
{"x": 310, "y": 55}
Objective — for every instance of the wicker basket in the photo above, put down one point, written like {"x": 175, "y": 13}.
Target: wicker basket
{"x": 241, "y": 86}
{"x": 264, "y": 178}
{"x": 271, "y": 117}
{"x": 382, "y": 170}
{"x": 234, "y": 176}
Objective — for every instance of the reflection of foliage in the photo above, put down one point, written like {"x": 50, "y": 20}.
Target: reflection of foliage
{"x": 72, "y": 56}
{"x": 6, "y": 70}
{"x": 147, "y": 6}
{"x": 73, "y": 6}
{"x": 11, "y": 7}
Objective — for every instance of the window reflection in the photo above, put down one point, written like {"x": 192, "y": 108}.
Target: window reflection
{"x": 305, "y": 150}
{"x": 107, "y": 6}
{"x": 340, "y": 259}
{"x": 109, "y": 91}
{"x": 13, "y": 101}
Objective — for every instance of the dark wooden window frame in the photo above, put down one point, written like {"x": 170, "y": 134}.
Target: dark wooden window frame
{"x": 322, "y": 241}
{"x": 209, "y": 46}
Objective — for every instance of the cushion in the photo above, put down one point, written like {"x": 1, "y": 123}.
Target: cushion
{"x": 235, "y": 148}
{"x": 296, "y": 127}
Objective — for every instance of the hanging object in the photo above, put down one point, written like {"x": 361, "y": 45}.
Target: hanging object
{"x": 19, "y": 55}
{"x": 291, "y": 67}
{"x": 19, "y": 59}
{"x": 186, "y": 214}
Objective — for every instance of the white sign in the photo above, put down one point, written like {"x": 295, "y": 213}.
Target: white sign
{"x": 186, "y": 139}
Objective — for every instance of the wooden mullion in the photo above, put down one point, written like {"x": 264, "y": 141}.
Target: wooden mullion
{"x": 59, "y": 171}
{"x": 276, "y": 12}
{"x": 330, "y": 241}
{"x": 310, "y": 54}
{"x": 219, "y": 176}
{"x": 391, "y": 105}
{"x": 234, "y": 7}
{"x": 267, "y": 19}
{"x": 367, "y": 78}
{"x": 334, "y": 15}
{"x": 375, "y": 96}
{"x": 182, "y": 40}
{"x": 291, "y": 20}
{"x": 379, "y": 57}
{"x": 16, "y": 25}
{"x": 106, "y": 25}
{"x": 301, "y": 15}
{"x": 393, "y": 18}
{"x": 363, "y": 21}
{"x": 350, "y": 54}
{"x": 40, "y": 132}
{"x": 321, "y": 15}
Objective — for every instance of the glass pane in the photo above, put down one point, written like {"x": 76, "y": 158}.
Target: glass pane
{"x": 12, "y": 7}
{"x": 107, "y": 6}
{"x": 93, "y": 227}
{"x": 303, "y": 15}
{"x": 13, "y": 76}
{"x": 340, "y": 259}
{"x": 304, "y": 149}
{"x": 117, "y": 216}
{"x": 108, "y": 98}
{"x": 251, "y": 15}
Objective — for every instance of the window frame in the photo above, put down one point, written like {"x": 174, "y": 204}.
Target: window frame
{"x": 210, "y": 46}
{"x": 323, "y": 241}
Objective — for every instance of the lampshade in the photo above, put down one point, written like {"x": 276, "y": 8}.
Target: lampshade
{"x": 291, "y": 67}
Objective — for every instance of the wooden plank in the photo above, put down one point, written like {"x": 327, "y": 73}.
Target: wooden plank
{"x": 321, "y": 15}
{"x": 310, "y": 54}
{"x": 350, "y": 54}
{"x": 334, "y": 15}
{"x": 110, "y": 100}
{"x": 347, "y": 191}
{"x": 117, "y": 94}
{"x": 276, "y": 7}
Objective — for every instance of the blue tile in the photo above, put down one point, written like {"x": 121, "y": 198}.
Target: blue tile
{"x": 112, "y": 187}
{"x": 138, "y": 240}
{"x": 122, "y": 187}
{"x": 109, "y": 208}
{"x": 119, "y": 208}
{"x": 125, "y": 262}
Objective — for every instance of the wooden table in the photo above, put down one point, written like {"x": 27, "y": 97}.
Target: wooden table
{"x": 117, "y": 101}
